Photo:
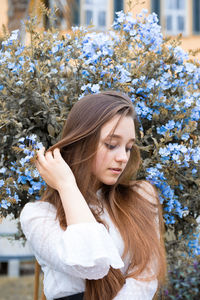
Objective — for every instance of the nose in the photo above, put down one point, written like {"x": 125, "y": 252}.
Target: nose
{"x": 122, "y": 155}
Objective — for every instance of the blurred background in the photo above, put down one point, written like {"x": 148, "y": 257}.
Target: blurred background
{"x": 175, "y": 16}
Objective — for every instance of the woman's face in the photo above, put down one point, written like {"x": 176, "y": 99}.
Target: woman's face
{"x": 114, "y": 148}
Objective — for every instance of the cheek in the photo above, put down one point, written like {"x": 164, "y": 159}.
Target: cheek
{"x": 99, "y": 161}
{"x": 96, "y": 164}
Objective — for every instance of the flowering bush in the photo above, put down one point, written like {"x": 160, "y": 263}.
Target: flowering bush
{"x": 184, "y": 282}
{"x": 40, "y": 82}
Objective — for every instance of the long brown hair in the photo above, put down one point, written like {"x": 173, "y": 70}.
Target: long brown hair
{"x": 138, "y": 220}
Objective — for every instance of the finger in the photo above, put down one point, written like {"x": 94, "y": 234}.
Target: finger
{"x": 40, "y": 151}
{"x": 40, "y": 156}
{"x": 49, "y": 156}
{"x": 56, "y": 153}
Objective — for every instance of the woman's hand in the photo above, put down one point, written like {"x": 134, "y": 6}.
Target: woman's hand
{"x": 58, "y": 175}
{"x": 53, "y": 169}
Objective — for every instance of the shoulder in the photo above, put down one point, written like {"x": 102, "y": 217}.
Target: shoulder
{"x": 37, "y": 209}
{"x": 37, "y": 214}
{"x": 146, "y": 190}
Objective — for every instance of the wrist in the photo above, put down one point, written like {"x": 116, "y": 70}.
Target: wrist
{"x": 66, "y": 186}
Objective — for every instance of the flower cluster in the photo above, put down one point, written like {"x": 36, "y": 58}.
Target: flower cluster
{"x": 179, "y": 154}
{"x": 167, "y": 194}
{"x": 21, "y": 175}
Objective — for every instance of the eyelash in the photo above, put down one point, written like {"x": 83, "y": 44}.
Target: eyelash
{"x": 111, "y": 147}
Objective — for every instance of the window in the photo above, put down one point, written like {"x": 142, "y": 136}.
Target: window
{"x": 95, "y": 13}
{"x": 196, "y": 16}
{"x": 169, "y": 23}
{"x": 175, "y": 14}
{"x": 155, "y": 7}
{"x": 118, "y": 5}
{"x": 88, "y": 17}
{"x": 102, "y": 18}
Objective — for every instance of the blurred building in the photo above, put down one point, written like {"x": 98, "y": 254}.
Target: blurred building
{"x": 179, "y": 16}
{"x": 15, "y": 257}
{"x": 175, "y": 16}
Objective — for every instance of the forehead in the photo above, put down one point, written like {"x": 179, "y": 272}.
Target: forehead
{"x": 123, "y": 127}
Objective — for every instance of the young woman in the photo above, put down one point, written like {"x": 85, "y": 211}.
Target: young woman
{"x": 97, "y": 232}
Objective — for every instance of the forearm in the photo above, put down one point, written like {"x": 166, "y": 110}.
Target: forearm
{"x": 75, "y": 206}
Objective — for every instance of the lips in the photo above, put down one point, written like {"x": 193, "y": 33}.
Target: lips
{"x": 115, "y": 170}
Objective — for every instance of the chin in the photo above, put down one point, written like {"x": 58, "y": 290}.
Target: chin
{"x": 109, "y": 181}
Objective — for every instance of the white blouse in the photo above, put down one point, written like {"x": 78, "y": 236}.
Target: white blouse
{"x": 82, "y": 251}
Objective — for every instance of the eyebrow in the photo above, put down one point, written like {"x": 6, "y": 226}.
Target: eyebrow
{"x": 116, "y": 136}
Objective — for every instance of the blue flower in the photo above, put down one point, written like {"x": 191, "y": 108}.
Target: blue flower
{"x": 3, "y": 170}
{"x": 86, "y": 87}
{"x": 196, "y": 155}
{"x": 11, "y": 65}
{"x": 167, "y": 194}
{"x": 19, "y": 82}
{"x": 159, "y": 166}
{"x": 120, "y": 16}
{"x": 32, "y": 138}
{"x": 19, "y": 51}
{"x": 161, "y": 130}
{"x": 190, "y": 68}
{"x": 55, "y": 49}
{"x": 169, "y": 219}
{"x": 54, "y": 71}
{"x": 14, "y": 35}
{"x": 5, "y": 204}
{"x": 180, "y": 54}
{"x": 185, "y": 136}
{"x": 164, "y": 152}
{"x": 36, "y": 174}
{"x": 194, "y": 171}
{"x": 21, "y": 140}
{"x": 95, "y": 88}
{"x": 31, "y": 68}
{"x": 170, "y": 125}
{"x": 1, "y": 182}
{"x": 143, "y": 111}
{"x": 134, "y": 81}
{"x": 16, "y": 197}
{"x": 85, "y": 73}
{"x": 22, "y": 179}
{"x": 124, "y": 75}
{"x": 8, "y": 191}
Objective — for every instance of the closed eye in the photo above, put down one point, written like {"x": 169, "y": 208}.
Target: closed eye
{"x": 110, "y": 147}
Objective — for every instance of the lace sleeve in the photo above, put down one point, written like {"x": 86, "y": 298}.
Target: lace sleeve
{"x": 84, "y": 250}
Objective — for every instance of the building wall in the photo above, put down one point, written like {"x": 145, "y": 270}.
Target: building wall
{"x": 136, "y": 9}
{"x": 3, "y": 14}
